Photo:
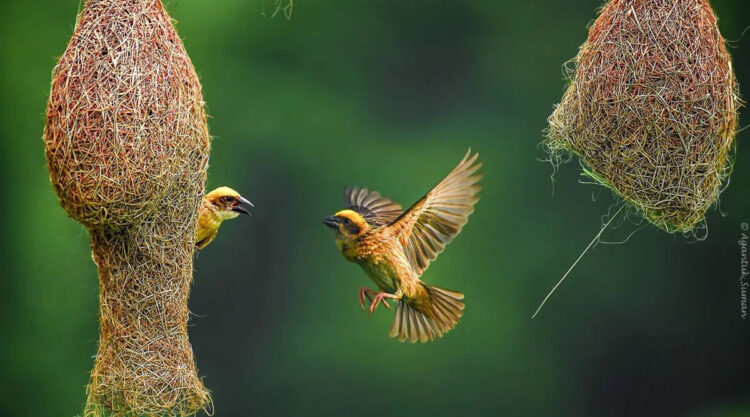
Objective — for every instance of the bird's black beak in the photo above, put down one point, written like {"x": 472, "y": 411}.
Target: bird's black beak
{"x": 331, "y": 221}
{"x": 243, "y": 210}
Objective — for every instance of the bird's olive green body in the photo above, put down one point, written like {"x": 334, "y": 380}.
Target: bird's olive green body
{"x": 382, "y": 274}
{"x": 382, "y": 257}
{"x": 375, "y": 264}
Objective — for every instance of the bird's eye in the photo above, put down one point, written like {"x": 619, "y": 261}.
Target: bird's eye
{"x": 347, "y": 221}
{"x": 229, "y": 199}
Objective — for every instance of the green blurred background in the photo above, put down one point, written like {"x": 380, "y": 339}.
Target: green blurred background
{"x": 386, "y": 94}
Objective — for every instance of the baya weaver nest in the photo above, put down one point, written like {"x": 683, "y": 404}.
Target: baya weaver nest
{"x": 127, "y": 147}
{"x": 651, "y": 108}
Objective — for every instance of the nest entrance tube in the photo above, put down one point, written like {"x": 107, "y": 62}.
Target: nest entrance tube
{"x": 651, "y": 109}
{"x": 127, "y": 148}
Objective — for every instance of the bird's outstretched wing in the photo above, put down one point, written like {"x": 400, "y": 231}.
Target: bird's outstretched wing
{"x": 434, "y": 220}
{"x": 377, "y": 210}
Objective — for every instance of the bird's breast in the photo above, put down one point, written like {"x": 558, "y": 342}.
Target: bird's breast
{"x": 387, "y": 266}
{"x": 207, "y": 225}
{"x": 382, "y": 273}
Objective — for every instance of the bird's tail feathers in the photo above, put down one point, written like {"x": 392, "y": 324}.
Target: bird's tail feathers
{"x": 423, "y": 323}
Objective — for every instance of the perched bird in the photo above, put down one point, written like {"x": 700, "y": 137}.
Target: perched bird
{"x": 220, "y": 204}
{"x": 394, "y": 248}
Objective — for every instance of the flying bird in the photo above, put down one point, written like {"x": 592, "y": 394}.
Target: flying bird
{"x": 395, "y": 247}
{"x": 220, "y": 204}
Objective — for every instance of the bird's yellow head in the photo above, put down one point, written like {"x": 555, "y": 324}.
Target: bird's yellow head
{"x": 347, "y": 224}
{"x": 227, "y": 203}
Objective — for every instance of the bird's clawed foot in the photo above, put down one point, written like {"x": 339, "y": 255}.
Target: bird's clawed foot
{"x": 381, "y": 298}
{"x": 375, "y": 298}
{"x": 365, "y": 292}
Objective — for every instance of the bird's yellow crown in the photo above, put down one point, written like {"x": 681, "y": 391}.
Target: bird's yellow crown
{"x": 354, "y": 217}
{"x": 222, "y": 192}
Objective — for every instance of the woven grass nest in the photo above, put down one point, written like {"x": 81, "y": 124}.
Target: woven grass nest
{"x": 651, "y": 108}
{"x": 127, "y": 147}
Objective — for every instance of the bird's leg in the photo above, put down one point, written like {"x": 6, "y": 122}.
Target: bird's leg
{"x": 381, "y": 298}
{"x": 365, "y": 292}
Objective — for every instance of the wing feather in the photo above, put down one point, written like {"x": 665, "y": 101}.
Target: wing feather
{"x": 376, "y": 209}
{"x": 433, "y": 221}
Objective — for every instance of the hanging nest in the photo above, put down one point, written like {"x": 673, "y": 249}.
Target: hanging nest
{"x": 651, "y": 109}
{"x": 127, "y": 148}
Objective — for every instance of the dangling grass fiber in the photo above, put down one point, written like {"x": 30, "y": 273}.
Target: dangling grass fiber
{"x": 127, "y": 148}
{"x": 591, "y": 244}
{"x": 651, "y": 109}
